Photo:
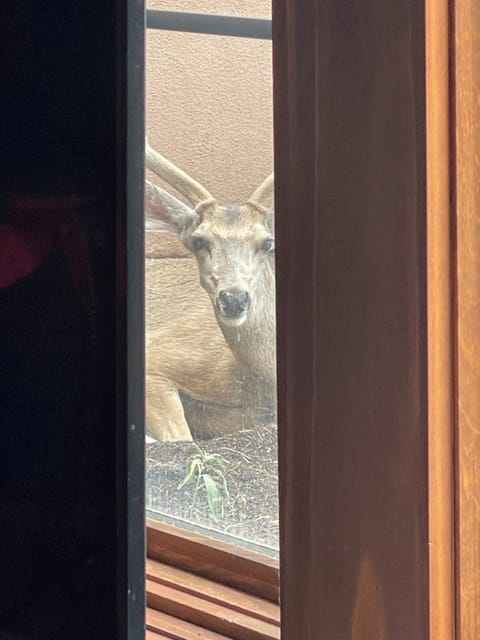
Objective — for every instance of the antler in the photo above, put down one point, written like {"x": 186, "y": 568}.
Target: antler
{"x": 262, "y": 197}
{"x": 195, "y": 193}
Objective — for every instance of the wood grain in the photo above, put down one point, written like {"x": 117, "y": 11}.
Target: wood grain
{"x": 369, "y": 618}
{"x": 467, "y": 114}
{"x": 161, "y": 625}
{"x": 227, "y": 564}
{"x": 213, "y": 592}
{"x": 214, "y": 616}
{"x": 440, "y": 257}
{"x": 350, "y": 198}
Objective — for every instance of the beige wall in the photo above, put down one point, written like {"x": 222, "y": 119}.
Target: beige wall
{"x": 209, "y": 100}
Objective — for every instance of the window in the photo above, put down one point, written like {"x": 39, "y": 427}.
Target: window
{"x": 373, "y": 479}
{"x": 378, "y": 335}
{"x": 210, "y": 347}
{"x": 211, "y": 445}
{"x": 209, "y": 110}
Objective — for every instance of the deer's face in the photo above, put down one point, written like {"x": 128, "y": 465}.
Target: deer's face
{"x": 233, "y": 244}
{"x": 234, "y": 249}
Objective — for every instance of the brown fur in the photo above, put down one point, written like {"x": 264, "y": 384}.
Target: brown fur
{"x": 222, "y": 367}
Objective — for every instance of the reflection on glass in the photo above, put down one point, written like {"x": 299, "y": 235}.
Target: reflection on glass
{"x": 210, "y": 287}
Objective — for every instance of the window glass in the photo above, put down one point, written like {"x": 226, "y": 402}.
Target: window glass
{"x": 211, "y": 454}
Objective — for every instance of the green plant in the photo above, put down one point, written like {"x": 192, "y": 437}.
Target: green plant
{"x": 207, "y": 469}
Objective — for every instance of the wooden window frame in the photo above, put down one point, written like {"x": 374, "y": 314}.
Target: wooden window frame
{"x": 222, "y": 562}
{"x": 440, "y": 344}
{"x": 209, "y": 584}
{"x": 465, "y": 139}
{"x": 453, "y": 233}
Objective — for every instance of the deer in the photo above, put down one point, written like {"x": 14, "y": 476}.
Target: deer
{"x": 210, "y": 364}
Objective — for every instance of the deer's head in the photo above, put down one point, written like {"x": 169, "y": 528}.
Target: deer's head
{"x": 233, "y": 244}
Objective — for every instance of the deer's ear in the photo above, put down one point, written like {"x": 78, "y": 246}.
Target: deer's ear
{"x": 163, "y": 211}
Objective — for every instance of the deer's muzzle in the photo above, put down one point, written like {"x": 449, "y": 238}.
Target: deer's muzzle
{"x": 233, "y": 304}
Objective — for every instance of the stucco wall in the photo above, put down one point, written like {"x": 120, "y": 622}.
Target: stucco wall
{"x": 209, "y": 100}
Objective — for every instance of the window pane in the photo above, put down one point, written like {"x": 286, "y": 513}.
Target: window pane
{"x": 255, "y": 8}
{"x": 210, "y": 356}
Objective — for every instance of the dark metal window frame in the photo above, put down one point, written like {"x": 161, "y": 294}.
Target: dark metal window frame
{"x": 209, "y": 23}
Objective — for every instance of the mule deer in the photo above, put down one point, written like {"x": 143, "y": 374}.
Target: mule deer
{"x": 222, "y": 364}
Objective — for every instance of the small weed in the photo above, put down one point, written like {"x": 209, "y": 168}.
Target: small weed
{"x": 207, "y": 470}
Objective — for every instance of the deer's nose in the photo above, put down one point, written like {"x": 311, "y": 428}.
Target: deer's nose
{"x": 233, "y": 303}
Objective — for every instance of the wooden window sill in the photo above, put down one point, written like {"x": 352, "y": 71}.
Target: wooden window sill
{"x": 203, "y": 589}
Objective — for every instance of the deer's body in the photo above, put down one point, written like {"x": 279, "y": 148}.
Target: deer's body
{"x": 210, "y": 341}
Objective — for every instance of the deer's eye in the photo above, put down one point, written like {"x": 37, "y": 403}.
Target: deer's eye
{"x": 199, "y": 243}
{"x": 268, "y": 245}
